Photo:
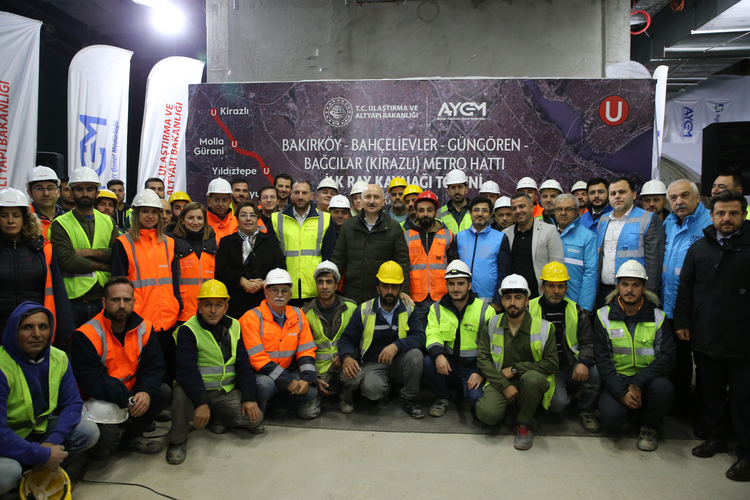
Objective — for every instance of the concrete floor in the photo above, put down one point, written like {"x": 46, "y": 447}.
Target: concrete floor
{"x": 298, "y": 463}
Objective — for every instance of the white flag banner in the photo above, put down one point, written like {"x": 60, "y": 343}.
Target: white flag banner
{"x": 98, "y": 85}
{"x": 164, "y": 122}
{"x": 19, "y": 98}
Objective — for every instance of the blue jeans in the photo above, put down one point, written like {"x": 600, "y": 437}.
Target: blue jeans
{"x": 657, "y": 396}
{"x": 81, "y": 438}
{"x": 84, "y": 311}
{"x": 589, "y": 390}
{"x": 283, "y": 399}
{"x": 458, "y": 377}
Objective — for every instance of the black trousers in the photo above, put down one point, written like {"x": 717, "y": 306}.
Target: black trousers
{"x": 686, "y": 406}
{"x": 724, "y": 407}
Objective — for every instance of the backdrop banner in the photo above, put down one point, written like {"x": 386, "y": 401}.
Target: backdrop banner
{"x": 19, "y": 98}
{"x": 499, "y": 130}
{"x": 164, "y": 119}
{"x": 98, "y": 84}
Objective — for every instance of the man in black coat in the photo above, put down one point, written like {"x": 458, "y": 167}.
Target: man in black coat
{"x": 713, "y": 297}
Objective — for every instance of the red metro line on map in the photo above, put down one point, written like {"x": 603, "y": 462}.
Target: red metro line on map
{"x": 235, "y": 145}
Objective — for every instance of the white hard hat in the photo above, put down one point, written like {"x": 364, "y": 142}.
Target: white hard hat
{"x": 578, "y": 186}
{"x": 455, "y": 177}
{"x": 489, "y": 187}
{"x": 328, "y": 182}
{"x": 551, "y": 184}
{"x": 457, "y": 269}
{"x": 82, "y": 175}
{"x": 219, "y": 186}
{"x": 358, "y": 187}
{"x": 515, "y": 282}
{"x": 103, "y": 412}
{"x": 327, "y": 267}
{"x": 339, "y": 201}
{"x": 526, "y": 182}
{"x": 632, "y": 269}
{"x": 502, "y": 202}
{"x": 278, "y": 277}
{"x": 147, "y": 198}
{"x": 653, "y": 187}
{"x": 40, "y": 173}
{"x": 10, "y": 197}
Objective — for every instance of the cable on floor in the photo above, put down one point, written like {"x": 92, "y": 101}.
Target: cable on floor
{"x": 89, "y": 481}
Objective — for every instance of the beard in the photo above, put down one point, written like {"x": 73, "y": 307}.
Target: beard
{"x": 426, "y": 222}
{"x": 514, "y": 314}
{"x": 388, "y": 300}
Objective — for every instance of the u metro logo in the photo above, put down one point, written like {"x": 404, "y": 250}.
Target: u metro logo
{"x": 613, "y": 110}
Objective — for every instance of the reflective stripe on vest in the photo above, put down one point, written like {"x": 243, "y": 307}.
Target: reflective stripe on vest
{"x": 302, "y": 250}
{"x": 20, "y": 416}
{"x": 631, "y": 354}
{"x": 117, "y": 365}
{"x": 474, "y": 316}
{"x": 327, "y": 348}
{"x": 571, "y": 321}
{"x": 279, "y": 355}
{"x": 49, "y": 291}
{"x": 450, "y": 222}
{"x": 427, "y": 275}
{"x": 215, "y": 372}
{"x": 368, "y": 320}
{"x": 540, "y": 332}
{"x": 78, "y": 284}
{"x": 193, "y": 272}
{"x": 138, "y": 282}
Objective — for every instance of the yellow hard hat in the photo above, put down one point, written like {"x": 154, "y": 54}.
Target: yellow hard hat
{"x": 213, "y": 289}
{"x": 391, "y": 272}
{"x": 555, "y": 271}
{"x": 179, "y": 196}
{"x": 106, "y": 193}
{"x": 46, "y": 484}
{"x": 397, "y": 182}
{"x": 411, "y": 189}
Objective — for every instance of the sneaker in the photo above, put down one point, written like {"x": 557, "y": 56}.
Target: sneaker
{"x": 524, "y": 438}
{"x": 143, "y": 445}
{"x": 739, "y": 471}
{"x": 381, "y": 403}
{"x": 648, "y": 439}
{"x": 217, "y": 428}
{"x": 589, "y": 421}
{"x": 412, "y": 408}
{"x": 439, "y": 408}
{"x": 345, "y": 407}
{"x": 176, "y": 453}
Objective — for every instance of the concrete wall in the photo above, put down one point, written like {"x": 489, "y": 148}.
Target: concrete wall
{"x": 283, "y": 40}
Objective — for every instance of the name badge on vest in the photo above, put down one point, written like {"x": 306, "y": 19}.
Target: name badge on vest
{"x": 617, "y": 333}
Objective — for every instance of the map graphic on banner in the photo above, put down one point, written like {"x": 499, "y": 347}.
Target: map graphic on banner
{"x": 500, "y": 130}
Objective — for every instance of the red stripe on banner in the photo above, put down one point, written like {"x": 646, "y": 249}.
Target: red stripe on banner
{"x": 233, "y": 143}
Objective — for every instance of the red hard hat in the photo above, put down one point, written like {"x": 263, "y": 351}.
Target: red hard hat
{"x": 429, "y": 196}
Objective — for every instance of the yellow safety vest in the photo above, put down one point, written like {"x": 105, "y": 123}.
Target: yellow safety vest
{"x": 442, "y": 325}
{"x": 571, "y": 321}
{"x": 216, "y": 373}
{"x": 631, "y": 354}
{"x": 326, "y": 348}
{"x": 368, "y": 320}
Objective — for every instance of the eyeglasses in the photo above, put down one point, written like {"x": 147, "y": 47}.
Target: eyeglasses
{"x": 279, "y": 290}
{"x": 564, "y": 210}
{"x": 480, "y": 210}
{"x": 41, "y": 189}
{"x": 247, "y": 216}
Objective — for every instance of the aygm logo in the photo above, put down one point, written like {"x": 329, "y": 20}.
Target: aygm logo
{"x": 613, "y": 110}
{"x": 687, "y": 122}
{"x": 462, "y": 111}
{"x": 89, "y": 143}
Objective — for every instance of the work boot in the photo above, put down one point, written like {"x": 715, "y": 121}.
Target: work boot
{"x": 739, "y": 471}
{"x": 176, "y": 453}
{"x": 439, "y": 408}
{"x": 258, "y": 429}
{"x": 412, "y": 408}
{"x": 648, "y": 440}
{"x": 589, "y": 421}
{"x": 524, "y": 438}
{"x": 708, "y": 449}
{"x": 143, "y": 445}
{"x": 217, "y": 428}
{"x": 345, "y": 406}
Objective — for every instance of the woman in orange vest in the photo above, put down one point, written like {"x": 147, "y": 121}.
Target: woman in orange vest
{"x": 195, "y": 247}
{"x": 29, "y": 271}
{"x": 147, "y": 257}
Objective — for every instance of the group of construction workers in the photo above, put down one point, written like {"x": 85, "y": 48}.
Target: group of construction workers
{"x": 516, "y": 304}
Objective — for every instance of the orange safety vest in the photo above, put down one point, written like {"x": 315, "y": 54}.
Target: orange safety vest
{"x": 49, "y": 292}
{"x": 262, "y": 226}
{"x": 150, "y": 272}
{"x": 193, "y": 272}
{"x": 265, "y": 341}
{"x": 120, "y": 360}
{"x": 223, "y": 227}
{"x": 427, "y": 275}
{"x": 538, "y": 211}
{"x": 44, "y": 222}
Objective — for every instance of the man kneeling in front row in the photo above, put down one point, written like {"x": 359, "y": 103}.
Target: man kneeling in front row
{"x": 215, "y": 382}
{"x": 518, "y": 357}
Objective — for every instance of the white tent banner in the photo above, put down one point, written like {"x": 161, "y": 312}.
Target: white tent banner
{"x": 98, "y": 85}
{"x": 164, "y": 122}
{"x": 19, "y": 98}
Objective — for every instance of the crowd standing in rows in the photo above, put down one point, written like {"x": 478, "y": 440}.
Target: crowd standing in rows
{"x": 115, "y": 316}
